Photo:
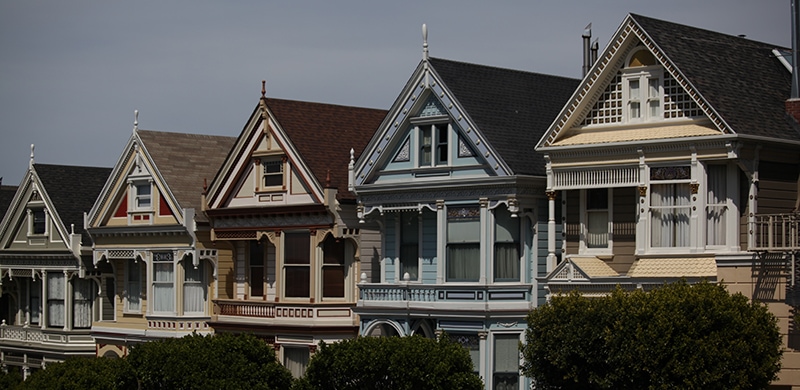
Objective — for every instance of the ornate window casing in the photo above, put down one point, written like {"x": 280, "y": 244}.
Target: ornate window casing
{"x": 38, "y": 221}
{"x": 163, "y": 296}
{"x": 463, "y": 259}
{"x": 670, "y": 207}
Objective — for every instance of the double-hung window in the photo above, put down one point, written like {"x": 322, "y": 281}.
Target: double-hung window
{"x": 506, "y": 246}
{"x": 35, "y": 301}
{"x": 194, "y": 288}
{"x": 163, "y": 282}
{"x": 463, "y": 243}
{"x": 642, "y": 86}
{"x": 273, "y": 173}
{"x": 670, "y": 207}
{"x": 297, "y": 265}
{"x": 256, "y": 268}
{"x": 39, "y": 223}
{"x": 143, "y": 196}
{"x": 133, "y": 287}
{"x": 506, "y": 361}
{"x": 56, "y": 294}
{"x": 333, "y": 267}
{"x": 409, "y": 245}
{"x": 82, "y": 299}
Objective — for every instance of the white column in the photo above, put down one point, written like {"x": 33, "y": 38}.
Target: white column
{"x": 551, "y": 230}
{"x": 43, "y": 301}
{"x": 484, "y": 245}
{"x": 441, "y": 240}
{"x": 67, "y": 302}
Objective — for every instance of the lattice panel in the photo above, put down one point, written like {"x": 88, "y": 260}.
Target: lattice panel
{"x": 678, "y": 103}
{"x": 607, "y": 109}
{"x": 120, "y": 254}
{"x": 599, "y": 178}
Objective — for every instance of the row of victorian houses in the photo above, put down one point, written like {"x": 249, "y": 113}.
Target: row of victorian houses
{"x": 477, "y": 195}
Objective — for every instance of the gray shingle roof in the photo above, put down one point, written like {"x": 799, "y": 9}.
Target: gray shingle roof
{"x": 6, "y": 196}
{"x": 185, "y": 161}
{"x": 511, "y": 108}
{"x": 73, "y": 190}
{"x": 739, "y": 78}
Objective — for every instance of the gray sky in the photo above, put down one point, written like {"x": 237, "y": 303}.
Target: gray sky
{"x": 73, "y": 72}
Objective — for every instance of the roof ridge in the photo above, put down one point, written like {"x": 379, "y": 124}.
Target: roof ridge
{"x": 504, "y": 68}
{"x": 324, "y": 104}
{"x": 183, "y": 133}
{"x": 744, "y": 38}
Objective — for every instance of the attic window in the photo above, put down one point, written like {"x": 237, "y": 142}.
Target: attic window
{"x": 143, "y": 196}
{"x": 273, "y": 173}
{"x": 38, "y": 221}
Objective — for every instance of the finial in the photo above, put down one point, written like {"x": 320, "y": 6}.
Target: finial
{"x": 205, "y": 186}
{"x": 263, "y": 88}
{"x": 328, "y": 179}
{"x": 424, "y": 41}
{"x": 135, "y": 120}
{"x": 30, "y": 165}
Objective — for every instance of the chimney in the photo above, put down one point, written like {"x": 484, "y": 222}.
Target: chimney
{"x": 793, "y": 104}
{"x": 587, "y": 51}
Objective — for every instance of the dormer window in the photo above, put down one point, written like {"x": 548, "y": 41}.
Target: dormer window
{"x": 273, "y": 173}
{"x": 39, "y": 225}
{"x": 143, "y": 196}
{"x": 433, "y": 144}
{"x": 642, "y": 83}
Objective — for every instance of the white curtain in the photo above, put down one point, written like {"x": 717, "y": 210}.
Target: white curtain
{"x": 83, "y": 294}
{"x": 506, "y": 361}
{"x": 163, "y": 292}
{"x": 35, "y": 301}
{"x": 463, "y": 262}
{"x": 134, "y": 287}
{"x": 716, "y": 204}
{"x": 506, "y": 246}
{"x": 194, "y": 290}
{"x": 55, "y": 299}
{"x": 597, "y": 228}
{"x": 296, "y": 360}
{"x": 670, "y": 207}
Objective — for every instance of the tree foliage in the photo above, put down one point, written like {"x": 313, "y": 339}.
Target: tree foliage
{"x": 391, "y": 363}
{"x": 221, "y": 361}
{"x": 678, "y": 336}
{"x": 82, "y": 373}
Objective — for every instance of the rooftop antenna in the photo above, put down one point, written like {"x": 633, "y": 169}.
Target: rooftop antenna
{"x": 135, "y": 120}
{"x": 424, "y": 41}
{"x": 30, "y": 164}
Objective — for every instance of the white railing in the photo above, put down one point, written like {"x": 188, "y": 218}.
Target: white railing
{"x": 383, "y": 292}
{"x": 775, "y": 232}
{"x": 35, "y": 335}
{"x": 260, "y": 309}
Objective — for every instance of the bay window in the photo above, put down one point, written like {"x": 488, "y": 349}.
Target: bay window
{"x": 194, "y": 288}
{"x": 333, "y": 267}
{"x": 506, "y": 246}
{"x": 297, "y": 265}
{"x": 56, "y": 282}
{"x": 163, "y": 282}
{"x": 409, "y": 244}
{"x": 463, "y": 244}
{"x": 82, "y": 298}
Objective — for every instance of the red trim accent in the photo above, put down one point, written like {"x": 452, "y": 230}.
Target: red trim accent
{"x": 122, "y": 209}
{"x": 163, "y": 209}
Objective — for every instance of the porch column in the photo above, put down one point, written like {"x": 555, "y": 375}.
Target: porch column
{"x": 43, "y": 302}
{"x": 67, "y": 302}
{"x": 551, "y": 230}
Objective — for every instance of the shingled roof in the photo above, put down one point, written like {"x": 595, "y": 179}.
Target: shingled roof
{"x": 6, "y": 196}
{"x": 73, "y": 190}
{"x": 512, "y": 108}
{"x": 185, "y": 161}
{"x": 323, "y": 134}
{"x": 740, "y": 78}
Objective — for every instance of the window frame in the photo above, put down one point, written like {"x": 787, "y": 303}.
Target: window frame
{"x": 494, "y": 372}
{"x": 280, "y": 162}
{"x": 333, "y": 248}
{"x": 462, "y": 214}
{"x": 202, "y": 282}
{"x": 131, "y": 266}
{"x": 55, "y": 300}
{"x": 685, "y": 184}
{"x": 517, "y": 226}
{"x": 643, "y": 75}
{"x": 90, "y": 299}
{"x": 37, "y": 222}
{"x": 726, "y": 204}
{"x": 409, "y": 236}
{"x": 35, "y": 301}
{"x": 168, "y": 260}
{"x": 437, "y": 149}
{"x": 137, "y": 196}
{"x": 585, "y": 211}
{"x": 252, "y": 284}
{"x": 298, "y": 264}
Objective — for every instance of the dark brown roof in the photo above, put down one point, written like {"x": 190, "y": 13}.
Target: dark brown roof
{"x": 512, "y": 108}
{"x": 323, "y": 134}
{"x": 6, "y": 196}
{"x": 740, "y": 78}
{"x": 185, "y": 161}
{"x": 73, "y": 191}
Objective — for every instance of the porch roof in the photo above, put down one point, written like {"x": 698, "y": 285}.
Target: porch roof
{"x": 639, "y": 134}
{"x": 671, "y": 267}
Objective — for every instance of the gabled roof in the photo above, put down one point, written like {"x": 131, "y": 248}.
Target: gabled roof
{"x": 184, "y": 161}
{"x": 73, "y": 190}
{"x": 323, "y": 135}
{"x": 738, "y": 83}
{"x": 511, "y": 108}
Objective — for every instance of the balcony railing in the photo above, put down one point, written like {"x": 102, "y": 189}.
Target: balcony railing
{"x": 244, "y": 308}
{"x": 33, "y": 335}
{"x": 775, "y": 232}
{"x": 281, "y": 311}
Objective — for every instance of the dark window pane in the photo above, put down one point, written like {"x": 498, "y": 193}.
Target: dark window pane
{"x": 256, "y": 281}
{"x": 297, "y": 282}
{"x": 296, "y": 248}
{"x": 333, "y": 282}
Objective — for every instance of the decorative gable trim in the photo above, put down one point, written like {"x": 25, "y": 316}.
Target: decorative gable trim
{"x": 604, "y": 70}
{"x": 440, "y": 102}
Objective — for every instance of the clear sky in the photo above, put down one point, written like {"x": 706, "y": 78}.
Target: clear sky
{"x": 73, "y": 72}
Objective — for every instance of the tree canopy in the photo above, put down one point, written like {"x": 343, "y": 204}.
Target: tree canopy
{"x": 678, "y": 336}
{"x": 77, "y": 373}
{"x": 391, "y": 363}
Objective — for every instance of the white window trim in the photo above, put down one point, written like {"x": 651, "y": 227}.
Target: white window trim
{"x": 260, "y": 172}
{"x": 648, "y": 219}
{"x": 584, "y": 226}
{"x": 134, "y": 191}
{"x": 203, "y": 283}
{"x": 433, "y": 122}
{"x": 125, "y": 307}
{"x": 151, "y": 298}
{"x": 643, "y": 74}
{"x": 31, "y": 221}
{"x": 732, "y": 211}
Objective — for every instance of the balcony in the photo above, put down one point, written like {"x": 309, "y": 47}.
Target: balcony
{"x": 775, "y": 233}
{"x": 37, "y": 338}
{"x": 234, "y": 311}
{"x": 444, "y": 297}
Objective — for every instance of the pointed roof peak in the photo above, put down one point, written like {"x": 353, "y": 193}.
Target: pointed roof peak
{"x": 135, "y": 121}
{"x": 30, "y": 164}
{"x": 424, "y": 42}
{"x": 263, "y": 89}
